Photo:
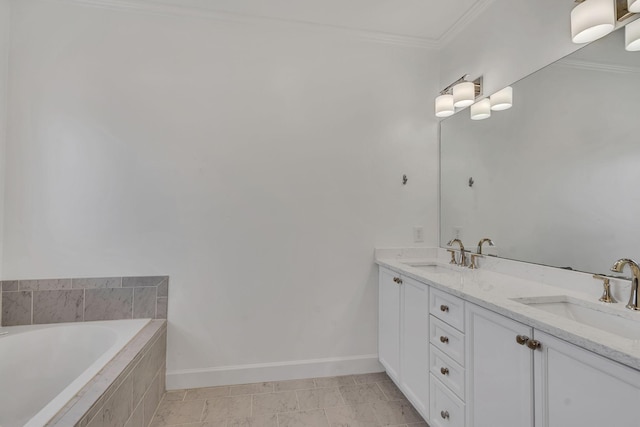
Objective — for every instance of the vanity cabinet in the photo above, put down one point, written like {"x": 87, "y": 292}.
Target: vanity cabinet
{"x": 403, "y": 337}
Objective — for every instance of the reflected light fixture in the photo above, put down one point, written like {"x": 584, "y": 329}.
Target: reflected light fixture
{"x": 592, "y": 19}
{"x": 481, "y": 110}
{"x": 632, "y": 36}
{"x": 444, "y": 105}
{"x": 502, "y": 99}
{"x": 458, "y": 94}
{"x": 633, "y": 6}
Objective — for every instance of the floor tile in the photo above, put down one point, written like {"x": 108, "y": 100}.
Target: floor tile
{"x": 274, "y": 403}
{"x": 335, "y": 381}
{"x": 319, "y": 398}
{"x": 257, "y": 388}
{"x": 227, "y": 407}
{"x": 362, "y": 393}
{"x": 313, "y": 418}
{"x": 391, "y": 391}
{"x": 176, "y": 412}
{"x": 371, "y": 378}
{"x": 397, "y": 412}
{"x": 420, "y": 424}
{"x": 215, "y": 423}
{"x": 175, "y": 395}
{"x": 352, "y": 416}
{"x": 294, "y": 385}
{"x": 206, "y": 393}
{"x": 258, "y": 421}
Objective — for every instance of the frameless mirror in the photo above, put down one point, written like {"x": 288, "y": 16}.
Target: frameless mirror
{"x": 555, "y": 178}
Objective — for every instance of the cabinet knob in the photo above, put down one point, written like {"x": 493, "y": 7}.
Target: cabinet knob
{"x": 444, "y": 308}
{"x": 522, "y": 339}
{"x": 444, "y": 339}
{"x": 444, "y": 415}
{"x": 444, "y": 371}
{"x": 534, "y": 345}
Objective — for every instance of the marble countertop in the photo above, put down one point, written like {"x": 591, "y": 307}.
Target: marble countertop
{"x": 497, "y": 291}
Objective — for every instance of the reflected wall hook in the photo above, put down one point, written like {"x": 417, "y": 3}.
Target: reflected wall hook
{"x": 471, "y": 182}
{"x": 404, "y": 179}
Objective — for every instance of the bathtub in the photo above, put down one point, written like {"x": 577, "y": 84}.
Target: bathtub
{"x": 42, "y": 367}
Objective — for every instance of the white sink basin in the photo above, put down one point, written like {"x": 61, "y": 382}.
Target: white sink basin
{"x": 596, "y": 315}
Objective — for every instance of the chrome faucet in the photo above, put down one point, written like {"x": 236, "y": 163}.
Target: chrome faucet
{"x": 463, "y": 257}
{"x": 481, "y": 242}
{"x": 635, "y": 270}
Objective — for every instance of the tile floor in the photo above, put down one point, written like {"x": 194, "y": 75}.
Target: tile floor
{"x": 369, "y": 400}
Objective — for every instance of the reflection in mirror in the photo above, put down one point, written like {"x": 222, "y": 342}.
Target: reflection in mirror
{"x": 556, "y": 177}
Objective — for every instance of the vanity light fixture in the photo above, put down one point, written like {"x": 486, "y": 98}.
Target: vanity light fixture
{"x": 481, "y": 110}
{"x": 502, "y": 99}
{"x": 458, "y": 94}
{"x": 633, "y": 6}
{"x": 632, "y": 36}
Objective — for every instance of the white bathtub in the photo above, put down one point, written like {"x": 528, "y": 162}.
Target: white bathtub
{"x": 43, "y": 366}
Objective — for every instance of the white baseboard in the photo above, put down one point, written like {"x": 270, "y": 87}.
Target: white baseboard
{"x": 279, "y": 371}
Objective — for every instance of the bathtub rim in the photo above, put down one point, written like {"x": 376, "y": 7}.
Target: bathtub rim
{"x": 81, "y": 409}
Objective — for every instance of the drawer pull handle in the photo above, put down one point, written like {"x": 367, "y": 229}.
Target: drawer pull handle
{"x": 397, "y": 280}
{"x": 444, "y": 308}
{"x": 444, "y": 339}
{"x": 444, "y": 371}
{"x": 533, "y": 344}
{"x": 522, "y": 339}
{"x": 444, "y": 415}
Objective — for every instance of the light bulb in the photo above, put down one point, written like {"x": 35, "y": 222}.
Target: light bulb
{"x": 592, "y": 19}
{"x": 464, "y": 94}
{"x": 502, "y": 99}
{"x": 481, "y": 110}
{"x": 444, "y": 106}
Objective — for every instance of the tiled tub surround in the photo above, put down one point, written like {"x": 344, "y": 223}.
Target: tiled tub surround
{"x": 27, "y": 302}
{"x": 126, "y": 392}
{"x": 499, "y": 283}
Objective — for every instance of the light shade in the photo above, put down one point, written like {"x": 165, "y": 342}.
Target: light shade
{"x": 464, "y": 94}
{"x": 444, "y": 106}
{"x": 502, "y": 99}
{"x": 633, "y": 6}
{"x": 592, "y": 19}
{"x": 632, "y": 36}
{"x": 481, "y": 110}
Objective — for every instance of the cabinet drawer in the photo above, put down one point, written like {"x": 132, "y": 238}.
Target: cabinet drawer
{"x": 447, "y": 339}
{"x": 446, "y": 370}
{"x": 446, "y": 409}
{"x": 447, "y": 308}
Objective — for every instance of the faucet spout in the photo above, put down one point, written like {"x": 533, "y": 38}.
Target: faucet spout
{"x": 617, "y": 267}
{"x": 483, "y": 241}
{"x": 463, "y": 257}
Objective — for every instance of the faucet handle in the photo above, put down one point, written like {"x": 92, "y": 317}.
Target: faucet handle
{"x": 453, "y": 256}
{"x": 474, "y": 259}
{"x": 606, "y": 294}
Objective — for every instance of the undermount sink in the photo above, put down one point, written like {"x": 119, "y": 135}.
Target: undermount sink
{"x": 431, "y": 267}
{"x": 596, "y": 315}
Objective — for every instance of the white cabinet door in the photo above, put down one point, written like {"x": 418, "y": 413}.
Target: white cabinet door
{"x": 415, "y": 344}
{"x": 389, "y": 323}
{"x": 499, "y": 371}
{"x": 575, "y": 387}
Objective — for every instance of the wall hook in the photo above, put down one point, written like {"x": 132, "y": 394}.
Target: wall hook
{"x": 404, "y": 179}
{"x": 471, "y": 182}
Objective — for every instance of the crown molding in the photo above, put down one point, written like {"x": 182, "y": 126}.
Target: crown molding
{"x": 456, "y": 28}
{"x": 159, "y": 8}
{"x": 597, "y": 66}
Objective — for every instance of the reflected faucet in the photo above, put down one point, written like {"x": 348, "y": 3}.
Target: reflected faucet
{"x": 635, "y": 270}
{"x": 481, "y": 242}
{"x": 463, "y": 257}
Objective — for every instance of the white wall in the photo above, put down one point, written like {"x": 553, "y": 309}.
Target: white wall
{"x": 5, "y": 27}
{"x": 257, "y": 166}
{"x": 508, "y": 41}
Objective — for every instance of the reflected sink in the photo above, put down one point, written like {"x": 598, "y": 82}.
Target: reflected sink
{"x": 431, "y": 267}
{"x": 596, "y": 315}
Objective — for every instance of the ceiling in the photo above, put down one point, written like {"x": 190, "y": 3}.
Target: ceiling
{"x": 425, "y": 19}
